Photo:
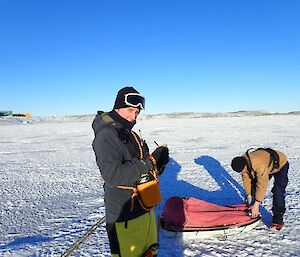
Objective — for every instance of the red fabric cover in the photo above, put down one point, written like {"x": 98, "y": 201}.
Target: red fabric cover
{"x": 194, "y": 214}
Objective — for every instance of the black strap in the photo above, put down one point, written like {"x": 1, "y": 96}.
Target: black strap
{"x": 249, "y": 166}
{"x": 151, "y": 250}
{"x": 274, "y": 157}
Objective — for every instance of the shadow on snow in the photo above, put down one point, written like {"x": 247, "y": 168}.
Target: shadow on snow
{"x": 32, "y": 240}
{"x": 229, "y": 192}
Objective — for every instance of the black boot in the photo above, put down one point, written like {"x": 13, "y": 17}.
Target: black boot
{"x": 277, "y": 217}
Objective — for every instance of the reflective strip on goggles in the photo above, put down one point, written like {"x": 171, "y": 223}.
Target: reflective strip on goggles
{"x": 135, "y": 100}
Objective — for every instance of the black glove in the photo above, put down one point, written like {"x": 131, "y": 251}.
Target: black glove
{"x": 161, "y": 156}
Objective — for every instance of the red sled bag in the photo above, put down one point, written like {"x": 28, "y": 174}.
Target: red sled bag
{"x": 191, "y": 214}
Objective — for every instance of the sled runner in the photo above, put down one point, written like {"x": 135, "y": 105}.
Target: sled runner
{"x": 192, "y": 218}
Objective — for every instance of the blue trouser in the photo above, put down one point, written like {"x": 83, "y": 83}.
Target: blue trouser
{"x": 278, "y": 190}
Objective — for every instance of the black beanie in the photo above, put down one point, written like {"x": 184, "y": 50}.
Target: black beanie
{"x": 120, "y": 99}
{"x": 238, "y": 163}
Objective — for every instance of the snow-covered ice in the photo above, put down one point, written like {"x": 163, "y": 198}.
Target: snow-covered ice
{"x": 51, "y": 191}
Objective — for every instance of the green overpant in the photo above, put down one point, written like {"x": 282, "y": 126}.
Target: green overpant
{"x": 134, "y": 237}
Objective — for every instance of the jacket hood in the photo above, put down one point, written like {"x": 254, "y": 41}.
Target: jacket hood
{"x": 102, "y": 120}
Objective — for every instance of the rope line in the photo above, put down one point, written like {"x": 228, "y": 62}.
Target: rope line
{"x": 76, "y": 244}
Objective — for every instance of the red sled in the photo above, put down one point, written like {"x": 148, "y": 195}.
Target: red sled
{"x": 206, "y": 219}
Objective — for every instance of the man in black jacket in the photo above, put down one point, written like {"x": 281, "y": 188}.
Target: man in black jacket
{"x": 123, "y": 158}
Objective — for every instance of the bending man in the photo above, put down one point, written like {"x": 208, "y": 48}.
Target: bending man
{"x": 257, "y": 168}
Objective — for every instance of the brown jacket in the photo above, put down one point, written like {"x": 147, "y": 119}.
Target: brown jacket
{"x": 260, "y": 161}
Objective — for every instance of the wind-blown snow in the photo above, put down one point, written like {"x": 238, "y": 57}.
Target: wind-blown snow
{"x": 51, "y": 191}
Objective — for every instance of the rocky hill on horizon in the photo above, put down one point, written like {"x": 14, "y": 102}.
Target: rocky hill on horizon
{"x": 6, "y": 120}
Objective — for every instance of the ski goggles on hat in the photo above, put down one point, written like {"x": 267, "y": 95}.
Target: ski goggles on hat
{"x": 135, "y": 100}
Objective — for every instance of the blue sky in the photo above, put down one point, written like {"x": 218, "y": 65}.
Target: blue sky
{"x": 62, "y": 57}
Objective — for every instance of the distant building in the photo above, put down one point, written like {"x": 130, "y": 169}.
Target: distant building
{"x": 6, "y": 113}
{"x": 10, "y": 113}
{"x": 26, "y": 114}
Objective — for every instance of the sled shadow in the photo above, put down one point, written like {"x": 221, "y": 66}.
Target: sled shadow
{"x": 229, "y": 190}
{"x": 32, "y": 240}
{"x": 38, "y": 240}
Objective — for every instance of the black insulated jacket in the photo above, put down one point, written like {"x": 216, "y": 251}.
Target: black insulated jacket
{"x": 118, "y": 167}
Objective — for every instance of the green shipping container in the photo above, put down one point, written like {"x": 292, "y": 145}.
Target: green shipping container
{"x": 6, "y": 113}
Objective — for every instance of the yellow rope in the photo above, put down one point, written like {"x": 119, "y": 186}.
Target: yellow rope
{"x": 154, "y": 173}
{"x": 139, "y": 144}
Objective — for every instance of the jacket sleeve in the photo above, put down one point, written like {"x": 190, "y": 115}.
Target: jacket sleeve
{"x": 247, "y": 182}
{"x": 262, "y": 176}
{"x": 111, "y": 154}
